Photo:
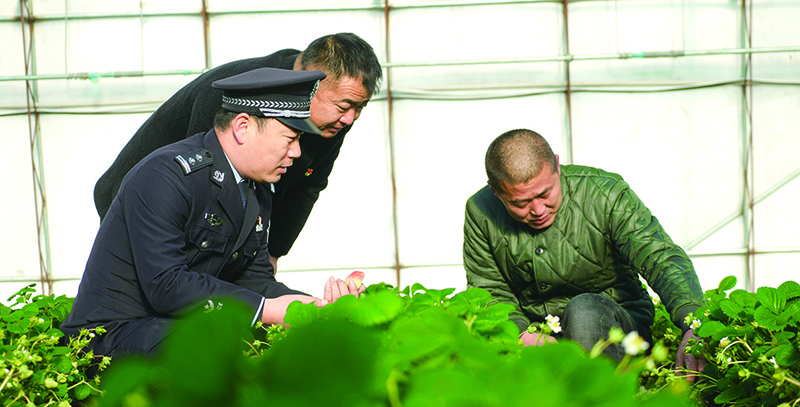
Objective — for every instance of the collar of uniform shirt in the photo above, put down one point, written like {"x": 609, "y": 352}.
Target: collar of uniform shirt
{"x": 236, "y": 175}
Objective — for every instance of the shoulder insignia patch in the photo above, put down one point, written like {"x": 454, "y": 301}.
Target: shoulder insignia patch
{"x": 194, "y": 160}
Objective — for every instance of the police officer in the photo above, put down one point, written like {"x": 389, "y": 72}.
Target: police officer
{"x": 354, "y": 76}
{"x": 190, "y": 223}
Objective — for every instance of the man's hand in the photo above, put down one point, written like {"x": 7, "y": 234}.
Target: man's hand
{"x": 536, "y": 339}
{"x": 336, "y": 288}
{"x": 687, "y": 360}
{"x": 274, "y": 310}
{"x": 274, "y": 261}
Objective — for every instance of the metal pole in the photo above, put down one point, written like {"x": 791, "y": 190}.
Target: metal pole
{"x": 37, "y": 161}
{"x": 389, "y": 132}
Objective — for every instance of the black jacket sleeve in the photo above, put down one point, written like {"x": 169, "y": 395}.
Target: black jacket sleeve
{"x": 298, "y": 190}
{"x": 189, "y": 111}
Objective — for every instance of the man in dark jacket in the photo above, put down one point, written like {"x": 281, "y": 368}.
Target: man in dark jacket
{"x": 189, "y": 226}
{"x": 570, "y": 242}
{"x": 354, "y": 76}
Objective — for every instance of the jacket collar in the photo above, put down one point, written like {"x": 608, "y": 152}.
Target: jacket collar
{"x": 222, "y": 175}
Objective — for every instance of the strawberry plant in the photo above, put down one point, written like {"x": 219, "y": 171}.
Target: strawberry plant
{"x": 750, "y": 342}
{"x": 35, "y": 369}
{"x": 389, "y": 347}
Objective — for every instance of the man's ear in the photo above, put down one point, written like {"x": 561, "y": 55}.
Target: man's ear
{"x": 558, "y": 165}
{"x": 493, "y": 191}
{"x": 239, "y": 125}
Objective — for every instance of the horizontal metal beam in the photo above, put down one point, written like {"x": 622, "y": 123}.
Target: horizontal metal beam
{"x": 411, "y": 64}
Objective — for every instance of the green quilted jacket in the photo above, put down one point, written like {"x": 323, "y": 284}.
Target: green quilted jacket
{"x": 602, "y": 239}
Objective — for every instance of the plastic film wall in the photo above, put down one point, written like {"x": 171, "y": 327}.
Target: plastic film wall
{"x": 696, "y": 104}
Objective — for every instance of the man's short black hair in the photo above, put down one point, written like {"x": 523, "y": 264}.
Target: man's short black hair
{"x": 344, "y": 55}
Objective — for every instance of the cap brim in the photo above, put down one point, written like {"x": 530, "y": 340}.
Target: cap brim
{"x": 304, "y": 125}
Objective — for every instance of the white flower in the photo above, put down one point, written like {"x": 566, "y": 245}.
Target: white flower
{"x": 724, "y": 342}
{"x": 695, "y": 324}
{"x": 774, "y": 362}
{"x": 553, "y": 323}
{"x": 634, "y": 344}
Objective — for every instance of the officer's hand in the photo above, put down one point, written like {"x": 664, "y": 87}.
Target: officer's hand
{"x": 336, "y": 288}
{"x": 687, "y": 360}
{"x": 536, "y": 339}
{"x": 275, "y": 308}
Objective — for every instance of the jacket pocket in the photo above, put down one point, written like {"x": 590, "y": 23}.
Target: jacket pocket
{"x": 205, "y": 248}
{"x": 204, "y": 239}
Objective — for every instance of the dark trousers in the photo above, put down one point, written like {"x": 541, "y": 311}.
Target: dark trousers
{"x": 588, "y": 318}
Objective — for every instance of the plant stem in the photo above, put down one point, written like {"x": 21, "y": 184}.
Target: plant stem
{"x": 391, "y": 388}
{"x": 794, "y": 382}
{"x": 471, "y": 321}
{"x": 252, "y": 347}
{"x": 621, "y": 367}
{"x": 5, "y": 381}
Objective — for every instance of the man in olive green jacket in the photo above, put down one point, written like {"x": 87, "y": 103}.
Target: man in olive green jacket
{"x": 571, "y": 241}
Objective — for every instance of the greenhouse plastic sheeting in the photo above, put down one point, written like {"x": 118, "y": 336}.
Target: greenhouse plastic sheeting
{"x": 696, "y": 104}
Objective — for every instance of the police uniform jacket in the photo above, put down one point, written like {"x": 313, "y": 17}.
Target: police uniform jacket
{"x": 191, "y": 110}
{"x": 176, "y": 238}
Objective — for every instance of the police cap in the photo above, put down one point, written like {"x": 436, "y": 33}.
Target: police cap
{"x": 270, "y": 92}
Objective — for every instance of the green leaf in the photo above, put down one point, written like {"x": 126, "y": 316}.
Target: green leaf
{"x": 411, "y": 339}
{"x": 376, "y": 309}
{"x": 458, "y": 305}
{"x": 54, "y": 332}
{"x": 767, "y": 318}
{"x": 782, "y": 320}
{"x": 20, "y": 326}
{"x": 60, "y": 312}
{"x": 298, "y": 314}
{"x": 771, "y": 298}
{"x": 440, "y": 295}
{"x": 729, "y": 395}
{"x": 743, "y": 298}
{"x": 789, "y": 289}
{"x": 341, "y": 368}
{"x": 123, "y": 379}
{"x": 732, "y": 309}
{"x": 710, "y": 328}
{"x": 60, "y": 350}
{"x": 505, "y": 330}
{"x": 82, "y": 391}
{"x": 475, "y": 296}
{"x": 378, "y": 287}
{"x": 421, "y": 301}
{"x": 784, "y": 336}
{"x": 61, "y": 364}
{"x": 22, "y": 294}
{"x": 787, "y": 355}
{"x": 417, "y": 287}
{"x": 489, "y": 317}
{"x": 727, "y": 283}
{"x": 50, "y": 383}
